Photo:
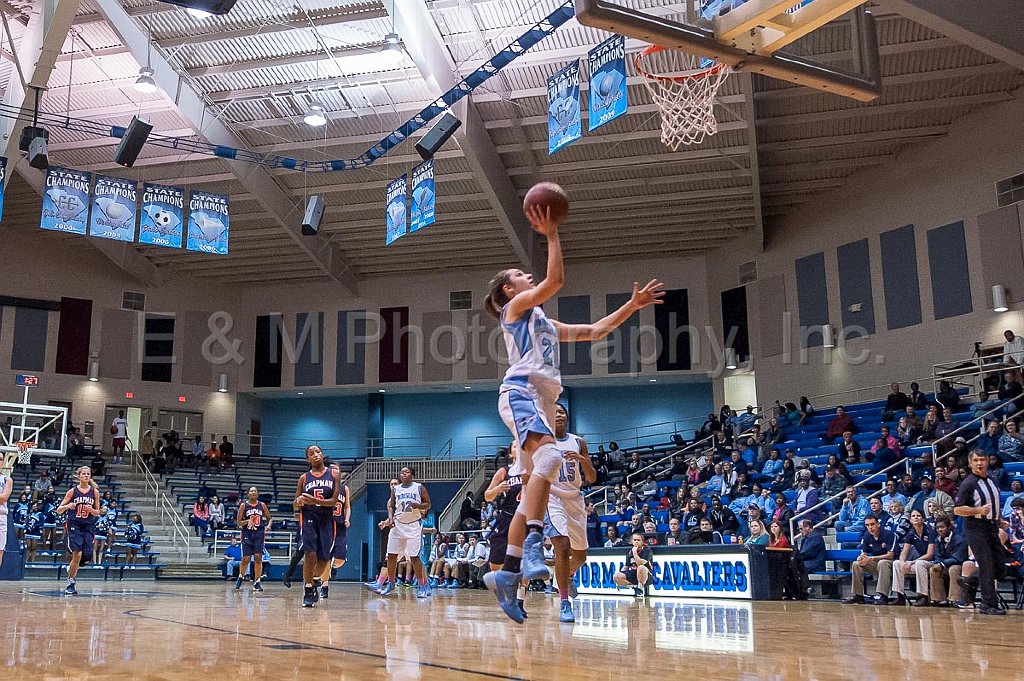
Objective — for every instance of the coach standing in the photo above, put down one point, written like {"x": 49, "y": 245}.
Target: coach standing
{"x": 977, "y": 501}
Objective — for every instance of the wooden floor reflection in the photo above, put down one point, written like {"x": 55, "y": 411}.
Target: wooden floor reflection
{"x": 203, "y": 631}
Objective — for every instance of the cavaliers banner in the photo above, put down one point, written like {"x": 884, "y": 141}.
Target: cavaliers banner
{"x": 607, "y": 66}
{"x": 3, "y": 183}
{"x": 163, "y": 212}
{"x": 395, "y": 211}
{"x": 422, "y": 209}
{"x": 564, "y": 107}
{"x": 66, "y": 200}
{"x": 207, "y": 223}
{"x": 114, "y": 201}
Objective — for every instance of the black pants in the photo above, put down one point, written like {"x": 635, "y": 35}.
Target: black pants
{"x": 983, "y": 538}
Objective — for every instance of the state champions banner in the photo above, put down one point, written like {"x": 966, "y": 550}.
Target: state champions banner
{"x": 3, "y": 183}
{"x": 564, "y": 107}
{"x": 395, "y": 211}
{"x": 66, "y": 200}
{"x": 421, "y": 211}
{"x": 114, "y": 201}
{"x": 606, "y": 64}
{"x": 163, "y": 213}
{"x": 207, "y": 223}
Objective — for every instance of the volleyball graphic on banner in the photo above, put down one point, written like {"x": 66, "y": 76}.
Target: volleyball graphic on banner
{"x": 606, "y": 64}
{"x": 114, "y": 201}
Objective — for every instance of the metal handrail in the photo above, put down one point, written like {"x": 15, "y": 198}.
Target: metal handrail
{"x": 982, "y": 417}
{"x": 445, "y": 518}
{"x": 162, "y": 504}
{"x": 445, "y": 452}
{"x": 971, "y": 440}
{"x": 853, "y": 391}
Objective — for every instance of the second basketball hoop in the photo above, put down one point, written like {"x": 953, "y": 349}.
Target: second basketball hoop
{"x": 686, "y": 98}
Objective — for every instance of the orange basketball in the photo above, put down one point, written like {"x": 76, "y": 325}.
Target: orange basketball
{"x": 548, "y": 195}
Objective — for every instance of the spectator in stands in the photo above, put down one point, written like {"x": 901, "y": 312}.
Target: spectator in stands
{"x": 777, "y": 538}
{"x": 806, "y": 497}
{"x": 906, "y": 435}
{"x": 839, "y": 424}
{"x": 709, "y": 428}
{"x": 42, "y": 486}
{"x": 757, "y": 533}
{"x": 675, "y": 534}
{"x": 907, "y": 487}
{"x": 227, "y": 452}
{"x": 988, "y": 441}
{"x": 200, "y": 517}
{"x": 810, "y": 547}
{"x": 950, "y": 555}
{"x": 723, "y": 519}
{"x": 198, "y": 451}
{"x": 983, "y": 405}
{"x": 958, "y": 455}
{"x": 834, "y": 483}
{"x": 649, "y": 489}
{"x": 878, "y": 510}
{"x": 217, "y": 514}
{"x": 704, "y": 533}
{"x": 891, "y": 441}
{"x": 782, "y": 513}
{"x": 919, "y": 502}
{"x": 806, "y": 410}
{"x": 917, "y": 399}
{"x": 855, "y": 509}
{"x": 613, "y": 539}
{"x": 896, "y": 402}
{"x": 213, "y": 457}
{"x": 929, "y": 425}
{"x": 147, "y": 448}
{"x": 947, "y": 396}
{"x": 996, "y": 472}
{"x": 693, "y": 515}
{"x": 916, "y": 557}
{"x": 633, "y": 467}
{"x": 891, "y": 493}
{"x": 469, "y": 513}
{"x": 877, "y": 550}
{"x": 1011, "y": 444}
{"x": 615, "y": 460}
{"x": 160, "y": 459}
{"x": 678, "y": 469}
{"x": 772, "y": 467}
{"x": 804, "y": 470}
{"x": 1015, "y": 531}
{"x": 883, "y": 456}
{"x": 898, "y": 523}
{"x": 773, "y": 434}
{"x": 98, "y": 464}
{"x": 787, "y": 478}
{"x": 747, "y": 455}
{"x": 476, "y": 563}
{"x": 232, "y": 557}
{"x": 722, "y": 445}
{"x": 839, "y": 465}
{"x": 1016, "y": 492}
{"x": 849, "y": 449}
{"x": 1013, "y": 349}
{"x": 716, "y": 484}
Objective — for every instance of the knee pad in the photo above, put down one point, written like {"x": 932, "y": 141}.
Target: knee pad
{"x": 547, "y": 461}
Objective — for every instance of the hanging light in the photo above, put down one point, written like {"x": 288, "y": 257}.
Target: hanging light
{"x": 730, "y": 359}
{"x": 198, "y": 13}
{"x": 393, "y": 51}
{"x": 145, "y": 83}
{"x": 94, "y": 371}
{"x": 828, "y": 336}
{"x": 315, "y": 115}
{"x": 222, "y": 383}
{"x": 999, "y": 298}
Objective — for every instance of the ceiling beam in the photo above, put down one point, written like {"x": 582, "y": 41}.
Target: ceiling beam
{"x": 38, "y": 50}
{"x": 879, "y": 109}
{"x": 334, "y": 83}
{"x": 253, "y": 178}
{"x": 750, "y": 115}
{"x": 428, "y": 50}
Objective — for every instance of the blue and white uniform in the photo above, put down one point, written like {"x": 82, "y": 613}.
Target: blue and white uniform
{"x": 406, "y": 539}
{"x": 533, "y": 383}
{"x": 567, "y": 511}
{"x": 3, "y": 513}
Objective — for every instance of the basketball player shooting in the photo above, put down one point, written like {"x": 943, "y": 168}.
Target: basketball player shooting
{"x": 533, "y": 383}
{"x": 316, "y": 496}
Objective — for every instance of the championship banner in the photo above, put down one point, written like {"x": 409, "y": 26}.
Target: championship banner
{"x": 422, "y": 209}
{"x": 114, "y": 201}
{"x": 66, "y": 200}
{"x": 564, "y": 107}
{"x": 607, "y": 66}
{"x": 3, "y": 183}
{"x": 163, "y": 212}
{"x": 395, "y": 211}
{"x": 207, "y": 223}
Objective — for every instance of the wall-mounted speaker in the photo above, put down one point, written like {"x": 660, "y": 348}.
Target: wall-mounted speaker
{"x": 437, "y": 136}
{"x": 311, "y": 218}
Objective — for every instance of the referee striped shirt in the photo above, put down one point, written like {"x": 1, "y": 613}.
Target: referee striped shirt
{"x": 977, "y": 492}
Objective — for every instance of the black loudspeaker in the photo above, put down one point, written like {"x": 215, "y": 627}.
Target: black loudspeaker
{"x": 311, "y": 219}
{"x": 132, "y": 142}
{"x": 211, "y": 6}
{"x": 437, "y": 136}
{"x": 37, "y": 155}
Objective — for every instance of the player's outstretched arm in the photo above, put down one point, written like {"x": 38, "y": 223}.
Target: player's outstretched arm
{"x": 555, "y": 275}
{"x": 651, "y": 294}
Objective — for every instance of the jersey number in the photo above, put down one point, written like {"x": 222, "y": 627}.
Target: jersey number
{"x": 318, "y": 493}
{"x": 82, "y": 512}
{"x": 548, "y": 350}
{"x": 255, "y": 519}
{"x": 567, "y": 473}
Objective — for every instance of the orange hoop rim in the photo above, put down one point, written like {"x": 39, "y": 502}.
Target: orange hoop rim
{"x": 24, "y": 446}
{"x": 696, "y": 74}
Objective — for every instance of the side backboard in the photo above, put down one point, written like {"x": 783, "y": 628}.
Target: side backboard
{"x": 42, "y": 424}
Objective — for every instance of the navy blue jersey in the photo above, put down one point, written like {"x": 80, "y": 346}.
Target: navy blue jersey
{"x": 256, "y": 514}
{"x": 920, "y": 542}
{"x": 103, "y": 524}
{"x": 82, "y": 502}
{"x": 321, "y": 487}
{"x": 19, "y": 514}
{"x": 34, "y": 523}
{"x": 508, "y": 502}
{"x": 885, "y": 543}
{"x": 133, "y": 535}
{"x": 339, "y": 508}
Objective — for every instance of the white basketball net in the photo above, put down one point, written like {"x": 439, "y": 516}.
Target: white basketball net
{"x": 25, "y": 452}
{"x": 686, "y": 98}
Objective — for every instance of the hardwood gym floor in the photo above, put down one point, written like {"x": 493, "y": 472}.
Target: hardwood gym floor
{"x": 208, "y": 631}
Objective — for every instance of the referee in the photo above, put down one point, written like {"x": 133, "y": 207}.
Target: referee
{"x": 977, "y": 501}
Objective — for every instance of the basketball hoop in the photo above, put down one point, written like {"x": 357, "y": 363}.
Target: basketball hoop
{"x": 25, "y": 452}
{"x": 686, "y": 100}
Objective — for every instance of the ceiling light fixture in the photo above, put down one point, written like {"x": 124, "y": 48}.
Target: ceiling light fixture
{"x": 315, "y": 115}
{"x": 198, "y": 13}
{"x": 145, "y": 83}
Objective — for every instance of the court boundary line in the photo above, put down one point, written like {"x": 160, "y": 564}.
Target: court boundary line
{"x": 136, "y": 612}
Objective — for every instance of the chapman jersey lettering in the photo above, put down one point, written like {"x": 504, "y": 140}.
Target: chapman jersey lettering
{"x": 509, "y": 501}
{"x": 532, "y": 344}
{"x": 321, "y": 487}
{"x": 82, "y": 502}
{"x": 405, "y": 497}
{"x": 339, "y": 508}
{"x": 570, "y": 477}
{"x": 255, "y": 514}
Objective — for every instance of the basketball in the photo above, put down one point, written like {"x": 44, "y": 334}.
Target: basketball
{"x": 113, "y": 430}
{"x": 548, "y": 195}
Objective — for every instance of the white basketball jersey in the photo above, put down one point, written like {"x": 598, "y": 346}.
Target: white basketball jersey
{"x": 404, "y": 498}
{"x": 532, "y": 344}
{"x": 570, "y": 476}
{"x": 3, "y": 507}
